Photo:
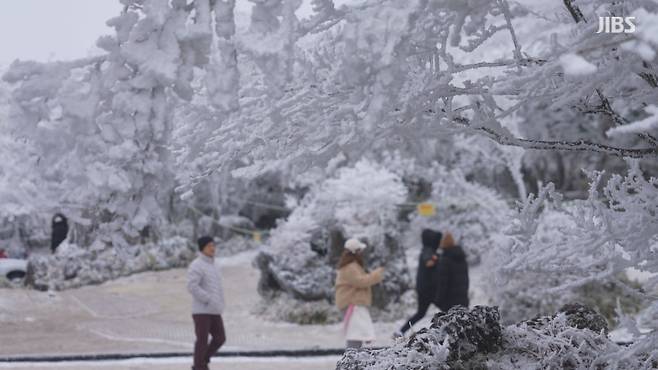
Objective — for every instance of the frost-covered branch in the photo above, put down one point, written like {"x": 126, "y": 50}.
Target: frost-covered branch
{"x": 579, "y": 145}
{"x": 641, "y": 127}
{"x": 504, "y": 7}
{"x": 575, "y": 11}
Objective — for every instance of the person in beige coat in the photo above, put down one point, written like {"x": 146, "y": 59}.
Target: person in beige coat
{"x": 354, "y": 294}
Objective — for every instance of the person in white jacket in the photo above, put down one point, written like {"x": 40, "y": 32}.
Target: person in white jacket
{"x": 205, "y": 285}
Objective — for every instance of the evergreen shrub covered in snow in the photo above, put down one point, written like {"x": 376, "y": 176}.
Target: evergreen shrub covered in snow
{"x": 362, "y": 201}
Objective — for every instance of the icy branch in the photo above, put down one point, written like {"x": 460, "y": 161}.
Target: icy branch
{"x": 575, "y": 11}
{"x": 640, "y": 127}
{"x": 579, "y": 145}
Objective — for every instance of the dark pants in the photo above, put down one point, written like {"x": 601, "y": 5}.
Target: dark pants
{"x": 423, "y": 305}
{"x": 203, "y": 325}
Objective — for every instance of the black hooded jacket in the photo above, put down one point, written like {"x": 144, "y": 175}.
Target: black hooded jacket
{"x": 60, "y": 229}
{"x": 426, "y": 277}
{"x": 452, "y": 275}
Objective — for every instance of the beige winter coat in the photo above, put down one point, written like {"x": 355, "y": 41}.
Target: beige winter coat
{"x": 353, "y": 285}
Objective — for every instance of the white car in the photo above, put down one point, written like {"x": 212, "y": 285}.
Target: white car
{"x": 13, "y": 269}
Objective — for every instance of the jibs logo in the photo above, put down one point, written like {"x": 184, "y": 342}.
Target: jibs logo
{"x": 616, "y": 25}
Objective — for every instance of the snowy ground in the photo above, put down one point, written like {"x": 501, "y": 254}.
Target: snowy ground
{"x": 143, "y": 313}
{"x": 150, "y": 312}
{"x": 319, "y": 363}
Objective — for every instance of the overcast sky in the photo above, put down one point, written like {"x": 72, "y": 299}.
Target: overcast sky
{"x": 52, "y": 29}
{"x": 47, "y": 30}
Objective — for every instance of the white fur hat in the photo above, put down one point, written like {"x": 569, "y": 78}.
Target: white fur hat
{"x": 354, "y": 245}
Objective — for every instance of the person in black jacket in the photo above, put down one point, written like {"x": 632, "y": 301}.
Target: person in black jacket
{"x": 60, "y": 229}
{"x": 452, "y": 275}
{"x": 426, "y": 277}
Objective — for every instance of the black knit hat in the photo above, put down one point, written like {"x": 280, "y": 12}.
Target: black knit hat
{"x": 203, "y": 241}
{"x": 431, "y": 238}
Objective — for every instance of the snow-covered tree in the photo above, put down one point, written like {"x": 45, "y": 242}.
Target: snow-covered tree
{"x": 528, "y": 86}
{"x": 97, "y": 130}
{"x": 408, "y": 74}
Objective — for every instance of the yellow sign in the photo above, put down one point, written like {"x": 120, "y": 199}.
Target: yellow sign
{"x": 257, "y": 237}
{"x": 426, "y": 209}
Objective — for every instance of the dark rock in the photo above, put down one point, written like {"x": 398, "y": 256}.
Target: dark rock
{"x": 469, "y": 331}
{"x": 451, "y": 342}
{"x": 572, "y": 338}
{"x": 578, "y": 316}
{"x": 583, "y": 317}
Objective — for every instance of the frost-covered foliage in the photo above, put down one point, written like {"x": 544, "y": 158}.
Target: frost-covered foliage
{"x": 319, "y": 113}
{"x": 266, "y": 58}
{"x": 587, "y": 240}
{"x": 97, "y": 130}
{"x": 405, "y": 74}
{"x": 649, "y": 124}
{"x": 574, "y": 338}
{"x": 560, "y": 251}
{"x": 73, "y": 266}
{"x": 301, "y": 98}
{"x": 609, "y": 99}
{"x": 360, "y": 202}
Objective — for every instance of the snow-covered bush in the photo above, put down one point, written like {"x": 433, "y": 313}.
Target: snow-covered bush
{"x": 72, "y": 266}
{"x": 25, "y": 234}
{"x": 360, "y": 202}
{"x": 284, "y": 309}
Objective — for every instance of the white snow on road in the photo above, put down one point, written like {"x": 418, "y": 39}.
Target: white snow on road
{"x": 320, "y": 362}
